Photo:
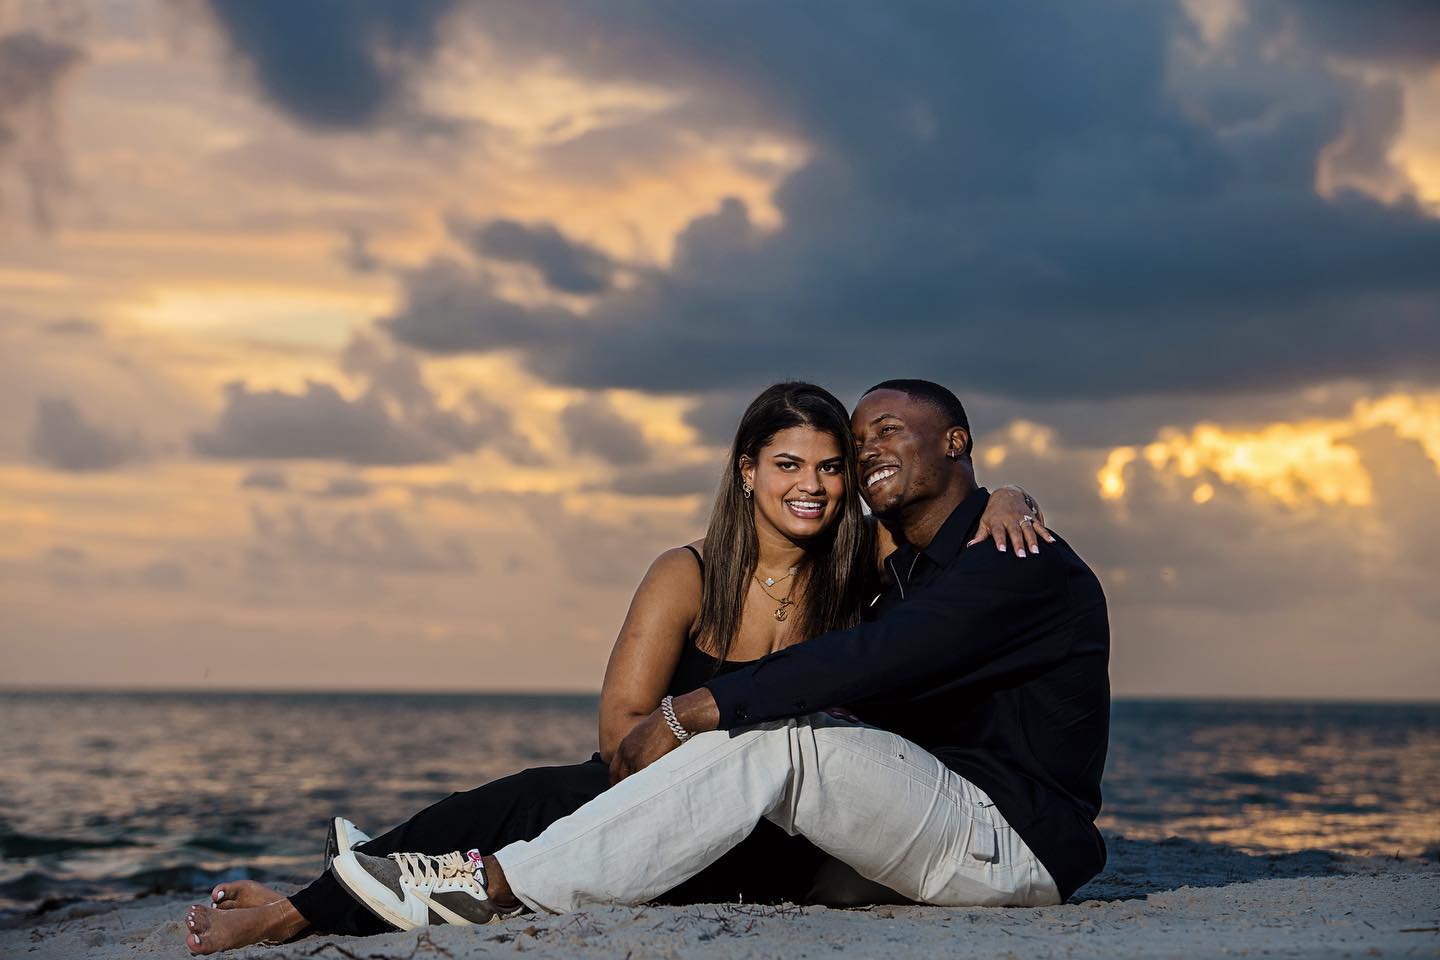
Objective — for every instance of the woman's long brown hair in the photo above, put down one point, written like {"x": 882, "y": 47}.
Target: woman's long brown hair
{"x": 838, "y": 564}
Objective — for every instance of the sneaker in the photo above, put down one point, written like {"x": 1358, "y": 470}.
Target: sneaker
{"x": 409, "y": 890}
{"x": 342, "y": 835}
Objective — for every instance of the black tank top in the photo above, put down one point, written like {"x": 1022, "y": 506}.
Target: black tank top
{"x": 696, "y": 666}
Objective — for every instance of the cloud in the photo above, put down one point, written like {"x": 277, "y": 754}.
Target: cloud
{"x": 345, "y": 488}
{"x": 565, "y": 265}
{"x": 1293, "y": 462}
{"x": 597, "y": 426}
{"x": 1093, "y": 187}
{"x": 338, "y": 64}
{"x": 395, "y": 420}
{"x": 377, "y": 539}
{"x": 64, "y": 439}
{"x": 265, "y": 479}
{"x": 450, "y": 307}
{"x": 1406, "y": 31}
{"x": 32, "y": 70}
{"x": 320, "y": 423}
{"x": 73, "y": 327}
{"x": 692, "y": 480}
{"x": 357, "y": 255}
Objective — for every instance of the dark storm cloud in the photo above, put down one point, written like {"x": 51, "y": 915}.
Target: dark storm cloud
{"x": 450, "y": 307}
{"x": 64, "y": 439}
{"x": 333, "y": 64}
{"x": 1391, "y": 30}
{"x": 396, "y": 420}
{"x": 565, "y": 265}
{"x": 320, "y": 423}
{"x": 595, "y": 426}
{"x": 1050, "y": 200}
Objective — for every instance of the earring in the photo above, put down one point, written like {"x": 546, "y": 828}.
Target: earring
{"x": 746, "y": 489}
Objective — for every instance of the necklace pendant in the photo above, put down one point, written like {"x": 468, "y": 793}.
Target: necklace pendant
{"x": 769, "y": 581}
{"x": 781, "y": 613}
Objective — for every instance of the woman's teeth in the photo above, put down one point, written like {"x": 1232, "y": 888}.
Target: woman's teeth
{"x": 809, "y": 509}
{"x": 878, "y": 475}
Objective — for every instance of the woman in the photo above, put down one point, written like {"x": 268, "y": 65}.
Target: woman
{"x": 788, "y": 555}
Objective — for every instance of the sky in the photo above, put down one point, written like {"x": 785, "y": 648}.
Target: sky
{"x": 366, "y": 345}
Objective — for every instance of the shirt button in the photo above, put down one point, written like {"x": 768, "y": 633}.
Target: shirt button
{"x": 800, "y": 705}
{"x": 741, "y": 715}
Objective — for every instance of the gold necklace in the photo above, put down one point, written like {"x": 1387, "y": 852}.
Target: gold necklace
{"x": 771, "y": 581}
{"x": 780, "y": 612}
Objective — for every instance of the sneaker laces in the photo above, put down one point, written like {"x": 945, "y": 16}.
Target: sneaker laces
{"x": 428, "y": 871}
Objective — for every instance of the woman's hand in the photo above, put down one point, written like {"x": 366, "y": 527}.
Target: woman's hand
{"x": 1012, "y": 516}
{"x": 647, "y": 741}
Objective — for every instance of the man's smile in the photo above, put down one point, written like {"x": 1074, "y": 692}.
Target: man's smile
{"x": 880, "y": 474}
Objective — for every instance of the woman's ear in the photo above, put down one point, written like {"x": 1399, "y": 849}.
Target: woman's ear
{"x": 747, "y": 470}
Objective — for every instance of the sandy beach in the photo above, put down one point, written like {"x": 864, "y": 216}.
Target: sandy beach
{"x": 1173, "y": 898}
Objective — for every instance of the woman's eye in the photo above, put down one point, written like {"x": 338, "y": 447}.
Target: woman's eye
{"x": 831, "y": 468}
{"x": 787, "y": 466}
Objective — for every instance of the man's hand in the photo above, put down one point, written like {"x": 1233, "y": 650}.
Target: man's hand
{"x": 648, "y": 741}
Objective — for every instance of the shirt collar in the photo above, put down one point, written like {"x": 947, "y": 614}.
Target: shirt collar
{"x": 956, "y": 531}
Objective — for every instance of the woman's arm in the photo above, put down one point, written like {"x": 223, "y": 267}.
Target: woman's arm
{"x": 664, "y": 609}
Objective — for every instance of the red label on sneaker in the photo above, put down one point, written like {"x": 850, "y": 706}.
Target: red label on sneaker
{"x": 474, "y": 856}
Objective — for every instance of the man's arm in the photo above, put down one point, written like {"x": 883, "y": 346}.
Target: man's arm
{"x": 986, "y": 610}
{"x": 982, "y": 609}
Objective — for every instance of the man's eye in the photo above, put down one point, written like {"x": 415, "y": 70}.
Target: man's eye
{"x": 888, "y": 428}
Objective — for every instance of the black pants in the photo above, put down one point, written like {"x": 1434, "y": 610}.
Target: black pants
{"x": 769, "y": 866}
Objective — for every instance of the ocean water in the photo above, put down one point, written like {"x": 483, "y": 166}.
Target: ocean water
{"x": 118, "y": 795}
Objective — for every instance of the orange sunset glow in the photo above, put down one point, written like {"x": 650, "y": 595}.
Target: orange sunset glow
{"x": 399, "y": 374}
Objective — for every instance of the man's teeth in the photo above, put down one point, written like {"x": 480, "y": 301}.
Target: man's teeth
{"x": 879, "y": 475}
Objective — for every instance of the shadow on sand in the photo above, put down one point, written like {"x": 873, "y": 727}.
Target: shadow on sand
{"x": 1137, "y": 868}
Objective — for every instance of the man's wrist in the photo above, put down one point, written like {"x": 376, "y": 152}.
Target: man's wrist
{"x": 697, "y": 711}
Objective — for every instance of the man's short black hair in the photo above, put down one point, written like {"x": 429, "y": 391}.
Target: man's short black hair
{"x": 938, "y": 397}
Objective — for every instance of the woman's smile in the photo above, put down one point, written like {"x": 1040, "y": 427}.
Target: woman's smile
{"x": 806, "y": 508}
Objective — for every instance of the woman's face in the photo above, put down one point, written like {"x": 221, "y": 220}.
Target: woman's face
{"x": 799, "y": 481}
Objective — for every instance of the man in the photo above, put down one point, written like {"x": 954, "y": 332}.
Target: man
{"x": 982, "y": 684}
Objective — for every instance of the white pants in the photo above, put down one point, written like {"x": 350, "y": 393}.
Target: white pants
{"x": 869, "y": 798}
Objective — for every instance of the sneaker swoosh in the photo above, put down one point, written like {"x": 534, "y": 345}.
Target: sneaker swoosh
{"x": 447, "y": 905}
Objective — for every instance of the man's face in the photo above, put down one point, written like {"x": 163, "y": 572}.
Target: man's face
{"x": 901, "y": 444}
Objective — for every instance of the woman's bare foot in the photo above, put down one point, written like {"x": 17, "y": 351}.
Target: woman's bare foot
{"x": 242, "y": 894}
{"x": 210, "y": 931}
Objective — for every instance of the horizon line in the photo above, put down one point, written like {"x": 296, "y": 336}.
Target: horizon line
{"x": 59, "y": 689}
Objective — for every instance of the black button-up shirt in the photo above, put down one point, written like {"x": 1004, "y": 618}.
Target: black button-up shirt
{"x": 998, "y": 666}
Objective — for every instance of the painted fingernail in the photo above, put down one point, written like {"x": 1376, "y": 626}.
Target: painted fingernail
{"x": 1019, "y": 551}
{"x": 1000, "y": 547}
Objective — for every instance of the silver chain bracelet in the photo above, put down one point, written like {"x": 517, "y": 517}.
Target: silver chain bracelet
{"x": 667, "y": 710}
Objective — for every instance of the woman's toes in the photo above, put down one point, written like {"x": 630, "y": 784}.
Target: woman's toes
{"x": 240, "y": 894}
